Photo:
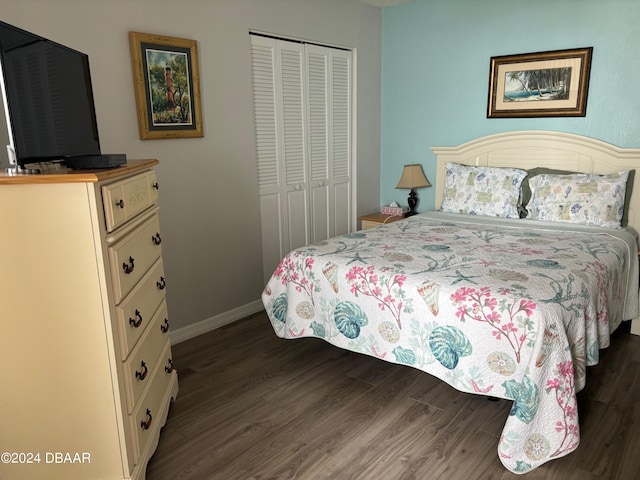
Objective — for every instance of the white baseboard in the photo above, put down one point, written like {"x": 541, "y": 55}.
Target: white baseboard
{"x": 635, "y": 326}
{"x": 204, "y": 326}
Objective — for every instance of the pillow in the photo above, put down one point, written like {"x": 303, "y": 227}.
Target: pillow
{"x": 579, "y": 198}
{"x": 526, "y": 190}
{"x": 627, "y": 198}
{"x": 487, "y": 191}
{"x": 532, "y": 172}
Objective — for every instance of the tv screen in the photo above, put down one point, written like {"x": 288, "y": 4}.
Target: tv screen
{"x": 48, "y": 98}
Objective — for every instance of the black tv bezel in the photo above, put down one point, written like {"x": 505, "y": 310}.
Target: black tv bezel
{"x": 18, "y": 158}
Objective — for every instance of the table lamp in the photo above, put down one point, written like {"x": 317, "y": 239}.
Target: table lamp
{"x": 413, "y": 177}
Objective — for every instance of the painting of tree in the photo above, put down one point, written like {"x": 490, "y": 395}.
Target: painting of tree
{"x": 534, "y": 85}
{"x": 540, "y": 84}
{"x": 168, "y": 78}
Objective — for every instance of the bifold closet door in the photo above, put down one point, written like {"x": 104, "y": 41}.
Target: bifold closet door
{"x": 302, "y": 122}
{"x": 329, "y": 134}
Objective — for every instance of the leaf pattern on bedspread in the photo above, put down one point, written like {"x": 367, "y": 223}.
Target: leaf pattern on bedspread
{"x": 448, "y": 344}
{"x": 489, "y": 306}
{"x": 526, "y": 398}
{"x": 349, "y": 317}
{"x": 279, "y": 308}
{"x": 406, "y": 356}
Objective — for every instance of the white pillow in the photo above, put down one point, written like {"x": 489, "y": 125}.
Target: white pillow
{"x": 582, "y": 198}
{"x": 488, "y": 191}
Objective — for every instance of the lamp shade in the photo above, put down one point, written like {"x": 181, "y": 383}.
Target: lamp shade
{"x": 413, "y": 177}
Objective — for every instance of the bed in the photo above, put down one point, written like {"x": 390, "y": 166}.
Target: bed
{"x": 502, "y": 306}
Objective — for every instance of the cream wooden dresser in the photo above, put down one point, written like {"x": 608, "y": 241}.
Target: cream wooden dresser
{"x": 87, "y": 376}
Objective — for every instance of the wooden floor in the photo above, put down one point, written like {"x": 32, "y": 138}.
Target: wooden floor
{"x": 254, "y": 406}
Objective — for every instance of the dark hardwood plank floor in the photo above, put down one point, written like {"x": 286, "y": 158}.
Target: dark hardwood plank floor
{"x": 254, "y": 406}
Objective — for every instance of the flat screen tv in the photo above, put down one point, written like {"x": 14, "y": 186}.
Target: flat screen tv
{"x": 48, "y": 99}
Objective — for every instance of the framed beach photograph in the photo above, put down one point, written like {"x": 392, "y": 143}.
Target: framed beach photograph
{"x": 167, "y": 86}
{"x": 543, "y": 84}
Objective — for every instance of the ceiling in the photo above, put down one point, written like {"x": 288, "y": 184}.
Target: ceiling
{"x": 384, "y": 3}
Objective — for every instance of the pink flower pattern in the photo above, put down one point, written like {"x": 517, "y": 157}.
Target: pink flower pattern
{"x": 297, "y": 270}
{"x": 386, "y": 290}
{"x": 562, "y": 386}
{"x": 480, "y": 306}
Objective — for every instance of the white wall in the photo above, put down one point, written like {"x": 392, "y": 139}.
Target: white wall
{"x": 208, "y": 186}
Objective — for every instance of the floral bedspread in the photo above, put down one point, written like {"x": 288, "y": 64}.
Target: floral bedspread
{"x": 514, "y": 309}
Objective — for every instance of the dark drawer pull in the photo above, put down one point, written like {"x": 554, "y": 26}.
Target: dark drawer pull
{"x": 145, "y": 425}
{"x": 169, "y": 367}
{"x": 164, "y": 328}
{"x": 142, "y": 375}
{"x": 161, "y": 284}
{"x": 156, "y": 239}
{"x": 128, "y": 268}
{"x": 156, "y": 186}
{"x": 136, "y": 323}
{"x": 120, "y": 203}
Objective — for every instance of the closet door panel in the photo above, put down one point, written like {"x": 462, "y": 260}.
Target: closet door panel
{"x": 341, "y": 214}
{"x": 272, "y": 210}
{"x": 263, "y": 59}
{"x": 291, "y": 58}
{"x": 302, "y": 102}
{"x": 340, "y": 136}
{"x": 272, "y": 240}
{"x": 317, "y": 68}
{"x": 291, "y": 130}
{"x": 341, "y": 114}
{"x": 297, "y": 225}
{"x": 320, "y": 213}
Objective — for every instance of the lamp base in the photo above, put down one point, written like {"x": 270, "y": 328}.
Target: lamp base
{"x": 413, "y": 201}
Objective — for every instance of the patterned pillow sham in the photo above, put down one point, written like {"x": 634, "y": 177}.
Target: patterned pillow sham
{"x": 526, "y": 190}
{"x": 486, "y": 191}
{"x": 532, "y": 172}
{"x": 582, "y": 198}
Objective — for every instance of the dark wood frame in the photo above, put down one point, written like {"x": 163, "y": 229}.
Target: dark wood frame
{"x": 175, "y": 126}
{"x": 574, "y": 65}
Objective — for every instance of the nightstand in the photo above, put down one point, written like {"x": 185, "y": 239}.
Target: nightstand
{"x": 375, "y": 219}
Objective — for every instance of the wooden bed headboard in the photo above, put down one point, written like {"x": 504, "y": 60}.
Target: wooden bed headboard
{"x": 537, "y": 148}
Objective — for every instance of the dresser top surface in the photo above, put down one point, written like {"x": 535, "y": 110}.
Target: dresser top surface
{"x": 66, "y": 175}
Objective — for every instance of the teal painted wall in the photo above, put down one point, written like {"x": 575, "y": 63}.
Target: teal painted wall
{"x": 435, "y": 74}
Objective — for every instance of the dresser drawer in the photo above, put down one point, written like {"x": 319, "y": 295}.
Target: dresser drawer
{"x": 134, "y": 313}
{"x": 132, "y": 256}
{"x": 123, "y": 200}
{"x": 144, "y": 358}
{"x": 143, "y": 422}
{"x": 153, "y": 187}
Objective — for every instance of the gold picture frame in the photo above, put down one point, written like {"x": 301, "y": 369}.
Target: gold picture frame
{"x": 167, "y": 86}
{"x": 543, "y": 84}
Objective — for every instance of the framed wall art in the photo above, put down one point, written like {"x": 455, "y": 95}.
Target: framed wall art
{"x": 543, "y": 84}
{"x": 167, "y": 86}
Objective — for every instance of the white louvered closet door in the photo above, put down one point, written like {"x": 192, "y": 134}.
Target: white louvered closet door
{"x": 302, "y": 120}
{"x": 318, "y": 134}
{"x": 291, "y": 97}
{"x": 329, "y": 133}
{"x": 340, "y": 134}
